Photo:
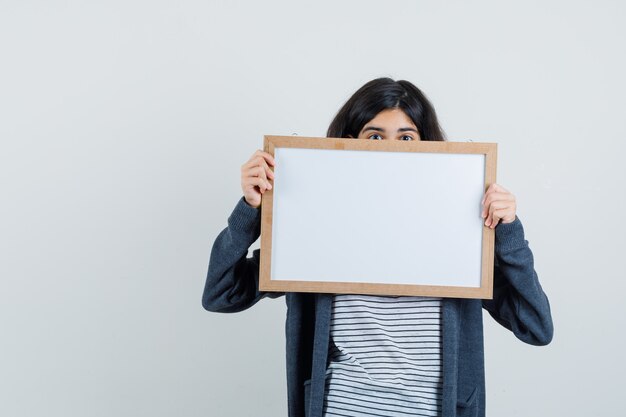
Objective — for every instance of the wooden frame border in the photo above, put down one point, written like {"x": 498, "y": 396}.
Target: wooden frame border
{"x": 485, "y": 291}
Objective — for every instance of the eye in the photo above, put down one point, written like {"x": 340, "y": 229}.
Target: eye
{"x": 375, "y": 136}
{"x": 406, "y": 137}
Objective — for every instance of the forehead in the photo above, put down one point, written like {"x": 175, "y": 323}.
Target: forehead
{"x": 391, "y": 118}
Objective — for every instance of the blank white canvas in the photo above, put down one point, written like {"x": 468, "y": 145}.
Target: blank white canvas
{"x": 377, "y": 217}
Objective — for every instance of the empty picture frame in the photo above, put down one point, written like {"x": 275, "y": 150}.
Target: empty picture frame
{"x": 358, "y": 216}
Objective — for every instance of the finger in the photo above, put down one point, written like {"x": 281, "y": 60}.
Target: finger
{"x": 258, "y": 183}
{"x": 493, "y": 197}
{"x": 258, "y": 161}
{"x": 490, "y": 198}
{"x": 495, "y": 188}
{"x": 259, "y": 172}
{"x": 255, "y": 181}
{"x": 266, "y": 156}
{"x": 482, "y": 202}
{"x": 497, "y": 216}
{"x": 268, "y": 171}
{"x": 493, "y": 207}
{"x": 493, "y": 221}
{"x": 254, "y": 161}
{"x": 255, "y": 172}
{"x": 490, "y": 190}
{"x": 499, "y": 188}
{"x": 252, "y": 193}
{"x": 507, "y": 213}
{"x": 498, "y": 205}
{"x": 495, "y": 192}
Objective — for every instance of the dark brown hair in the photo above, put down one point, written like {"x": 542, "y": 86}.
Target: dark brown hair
{"x": 382, "y": 94}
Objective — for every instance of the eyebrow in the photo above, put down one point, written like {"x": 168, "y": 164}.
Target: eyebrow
{"x": 379, "y": 129}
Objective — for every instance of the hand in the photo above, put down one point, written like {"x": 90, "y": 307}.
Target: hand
{"x": 498, "y": 206}
{"x": 255, "y": 177}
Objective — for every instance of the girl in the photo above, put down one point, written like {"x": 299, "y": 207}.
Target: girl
{"x": 354, "y": 355}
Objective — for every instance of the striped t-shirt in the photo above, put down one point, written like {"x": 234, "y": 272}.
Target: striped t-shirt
{"x": 385, "y": 357}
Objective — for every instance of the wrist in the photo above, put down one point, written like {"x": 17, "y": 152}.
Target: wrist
{"x": 249, "y": 204}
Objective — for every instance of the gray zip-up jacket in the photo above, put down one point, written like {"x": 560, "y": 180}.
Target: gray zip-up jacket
{"x": 518, "y": 303}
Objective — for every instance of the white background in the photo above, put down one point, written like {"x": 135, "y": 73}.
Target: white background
{"x": 123, "y": 125}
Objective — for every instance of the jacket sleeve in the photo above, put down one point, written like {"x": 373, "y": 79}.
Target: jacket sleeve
{"x": 232, "y": 282}
{"x": 518, "y": 303}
